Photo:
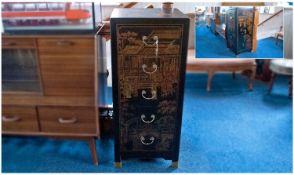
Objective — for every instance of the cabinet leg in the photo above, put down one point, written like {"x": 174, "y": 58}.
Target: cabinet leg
{"x": 175, "y": 164}
{"x": 290, "y": 87}
{"x": 117, "y": 156}
{"x": 118, "y": 164}
{"x": 92, "y": 146}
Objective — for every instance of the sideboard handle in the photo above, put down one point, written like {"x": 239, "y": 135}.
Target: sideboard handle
{"x": 154, "y": 66}
{"x": 11, "y": 44}
{"x": 67, "y": 121}
{"x": 10, "y": 119}
{"x": 149, "y": 98}
{"x": 145, "y": 121}
{"x": 65, "y": 43}
{"x": 147, "y": 143}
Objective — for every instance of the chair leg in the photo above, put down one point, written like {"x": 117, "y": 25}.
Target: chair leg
{"x": 271, "y": 83}
{"x": 234, "y": 75}
{"x": 210, "y": 75}
{"x": 290, "y": 87}
{"x": 251, "y": 79}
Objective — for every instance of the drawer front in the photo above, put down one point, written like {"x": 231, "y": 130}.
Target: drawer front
{"x": 147, "y": 139}
{"x": 157, "y": 121}
{"x": 67, "y": 119}
{"x": 19, "y": 119}
{"x": 18, "y": 43}
{"x": 149, "y": 68}
{"x": 68, "y": 74}
{"x": 53, "y": 46}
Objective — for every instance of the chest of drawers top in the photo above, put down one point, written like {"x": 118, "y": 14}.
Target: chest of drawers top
{"x": 155, "y": 13}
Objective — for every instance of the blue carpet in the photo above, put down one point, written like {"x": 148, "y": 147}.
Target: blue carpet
{"x": 209, "y": 45}
{"x": 226, "y": 130}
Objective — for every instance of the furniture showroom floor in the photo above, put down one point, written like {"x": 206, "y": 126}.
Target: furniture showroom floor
{"x": 226, "y": 130}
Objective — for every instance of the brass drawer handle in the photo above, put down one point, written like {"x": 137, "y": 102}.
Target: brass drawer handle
{"x": 143, "y": 140}
{"x": 67, "y": 121}
{"x": 149, "y": 98}
{"x": 65, "y": 43}
{"x": 10, "y": 119}
{"x": 154, "y": 66}
{"x": 145, "y": 121}
{"x": 155, "y": 38}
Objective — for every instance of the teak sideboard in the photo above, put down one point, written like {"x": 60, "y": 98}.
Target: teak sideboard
{"x": 61, "y": 101}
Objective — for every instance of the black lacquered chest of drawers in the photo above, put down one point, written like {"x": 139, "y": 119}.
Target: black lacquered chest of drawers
{"x": 239, "y": 29}
{"x": 149, "y": 50}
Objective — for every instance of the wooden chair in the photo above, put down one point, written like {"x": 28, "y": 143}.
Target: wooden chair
{"x": 280, "y": 35}
{"x": 281, "y": 67}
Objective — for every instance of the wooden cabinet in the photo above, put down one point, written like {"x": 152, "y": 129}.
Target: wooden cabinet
{"x": 49, "y": 87}
{"x": 148, "y": 63}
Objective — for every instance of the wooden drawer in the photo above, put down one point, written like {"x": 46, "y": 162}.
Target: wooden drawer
{"x": 18, "y": 119}
{"x": 18, "y": 43}
{"x": 79, "y": 120}
{"x": 66, "y": 46}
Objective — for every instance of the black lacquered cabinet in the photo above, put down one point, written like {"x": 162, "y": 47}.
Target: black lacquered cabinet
{"x": 149, "y": 52}
{"x": 239, "y": 29}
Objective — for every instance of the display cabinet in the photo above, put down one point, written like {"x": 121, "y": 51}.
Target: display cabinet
{"x": 49, "y": 70}
{"x": 49, "y": 87}
{"x": 48, "y": 17}
{"x": 149, "y": 50}
{"x": 240, "y": 29}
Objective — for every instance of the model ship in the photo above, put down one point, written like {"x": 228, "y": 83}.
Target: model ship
{"x": 44, "y": 14}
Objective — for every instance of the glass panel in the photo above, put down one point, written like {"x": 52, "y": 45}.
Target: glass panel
{"x": 19, "y": 70}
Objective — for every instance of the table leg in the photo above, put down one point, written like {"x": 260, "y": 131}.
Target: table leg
{"x": 209, "y": 79}
{"x": 271, "y": 82}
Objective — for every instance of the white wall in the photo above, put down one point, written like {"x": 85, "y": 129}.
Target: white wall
{"x": 269, "y": 28}
{"x": 107, "y": 9}
{"x": 288, "y": 33}
{"x": 263, "y": 17}
{"x": 185, "y": 7}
